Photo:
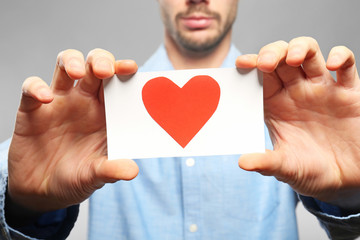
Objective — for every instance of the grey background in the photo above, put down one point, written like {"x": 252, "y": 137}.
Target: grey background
{"x": 33, "y": 32}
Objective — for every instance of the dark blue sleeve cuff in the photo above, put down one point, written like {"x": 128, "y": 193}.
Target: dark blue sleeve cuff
{"x": 337, "y": 222}
{"x": 323, "y": 207}
{"x": 54, "y": 225}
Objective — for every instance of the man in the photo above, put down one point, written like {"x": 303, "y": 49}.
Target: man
{"x": 57, "y": 157}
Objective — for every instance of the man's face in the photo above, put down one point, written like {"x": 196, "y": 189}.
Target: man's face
{"x": 198, "y": 25}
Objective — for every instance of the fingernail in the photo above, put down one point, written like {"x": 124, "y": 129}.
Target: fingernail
{"x": 334, "y": 60}
{"x": 45, "y": 94}
{"x": 76, "y": 66}
{"x": 102, "y": 64}
{"x": 267, "y": 57}
{"x": 295, "y": 52}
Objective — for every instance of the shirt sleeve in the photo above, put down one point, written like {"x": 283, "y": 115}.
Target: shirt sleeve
{"x": 338, "y": 223}
{"x": 52, "y": 225}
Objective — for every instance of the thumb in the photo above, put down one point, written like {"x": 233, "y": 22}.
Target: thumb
{"x": 125, "y": 67}
{"x": 268, "y": 163}
{"x": 114, "y": 170}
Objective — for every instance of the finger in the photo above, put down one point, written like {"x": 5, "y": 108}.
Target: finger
{"x": 246, "y": 61}
{"x": 269, "y": 58}
{"x": 114, "y": 170}
{"x": 100, "y": 64}
{"x": 272, "y": 85}
{"x": 342, "y": 60}
{"x": 271, "y": 82}
{"x": 271, "y": 55}
{"x": 290, "y": 75}
{"x": 35, "y": 92}
{"x": 305, "y": 51}
{"x": 70, "y": 65}
{"x": 125, "y": 67}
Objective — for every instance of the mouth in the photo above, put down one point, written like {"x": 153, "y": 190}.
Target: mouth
{"x": 196, "y": 22}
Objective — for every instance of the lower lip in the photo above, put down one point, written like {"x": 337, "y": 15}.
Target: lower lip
{"x": 196, "y": 23}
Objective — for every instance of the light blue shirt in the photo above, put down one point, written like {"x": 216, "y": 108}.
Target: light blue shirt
{"x": 197, "y": 198}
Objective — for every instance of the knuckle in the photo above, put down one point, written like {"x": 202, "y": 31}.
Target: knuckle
{"x": 92, "y": 52}
{"x": 279, "y": 45}
{"x": 72, "y": 52}
{"x": 343, "y": 53}
{"x": 310, "y": 40}
{"x": 59, "y": 59}
{"x": 32, "y": 79}
{"x": 265, "y": 48}
{"x": 343, "y": 50}
{"x": 68, "y": 54}
{"x": 304, "y": 40}
{"x": 99, "y": 53}
{"x": 59, "y": 56}
{"x": 30, "y": 82}
{"x": 313, "y": 43}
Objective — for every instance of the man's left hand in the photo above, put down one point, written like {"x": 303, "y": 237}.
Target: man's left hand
{"x": 313, "y": 120}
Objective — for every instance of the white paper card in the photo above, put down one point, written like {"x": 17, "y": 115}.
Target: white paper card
{"x": 198, "y": 112}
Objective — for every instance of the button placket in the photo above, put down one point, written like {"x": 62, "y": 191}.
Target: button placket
{"x": 191, "y": 197}
{"x": 190, "y": 162}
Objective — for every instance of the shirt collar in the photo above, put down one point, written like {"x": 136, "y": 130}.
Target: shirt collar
{"x": 160, "y": 61}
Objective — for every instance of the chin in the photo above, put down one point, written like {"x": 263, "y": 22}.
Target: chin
{"x": 202, "y": 45}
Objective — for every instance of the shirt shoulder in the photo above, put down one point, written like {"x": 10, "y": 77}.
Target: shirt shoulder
{"x": 159, "y": 61}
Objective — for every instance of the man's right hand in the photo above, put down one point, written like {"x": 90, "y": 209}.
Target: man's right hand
{"x": 58, "y": 154}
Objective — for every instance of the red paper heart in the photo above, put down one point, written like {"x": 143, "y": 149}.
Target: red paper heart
{"x": 181, "y": 112}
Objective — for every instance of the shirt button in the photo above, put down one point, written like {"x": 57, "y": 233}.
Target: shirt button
{"x": 190, "y": 162}
{"x": 193, "y": 228}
